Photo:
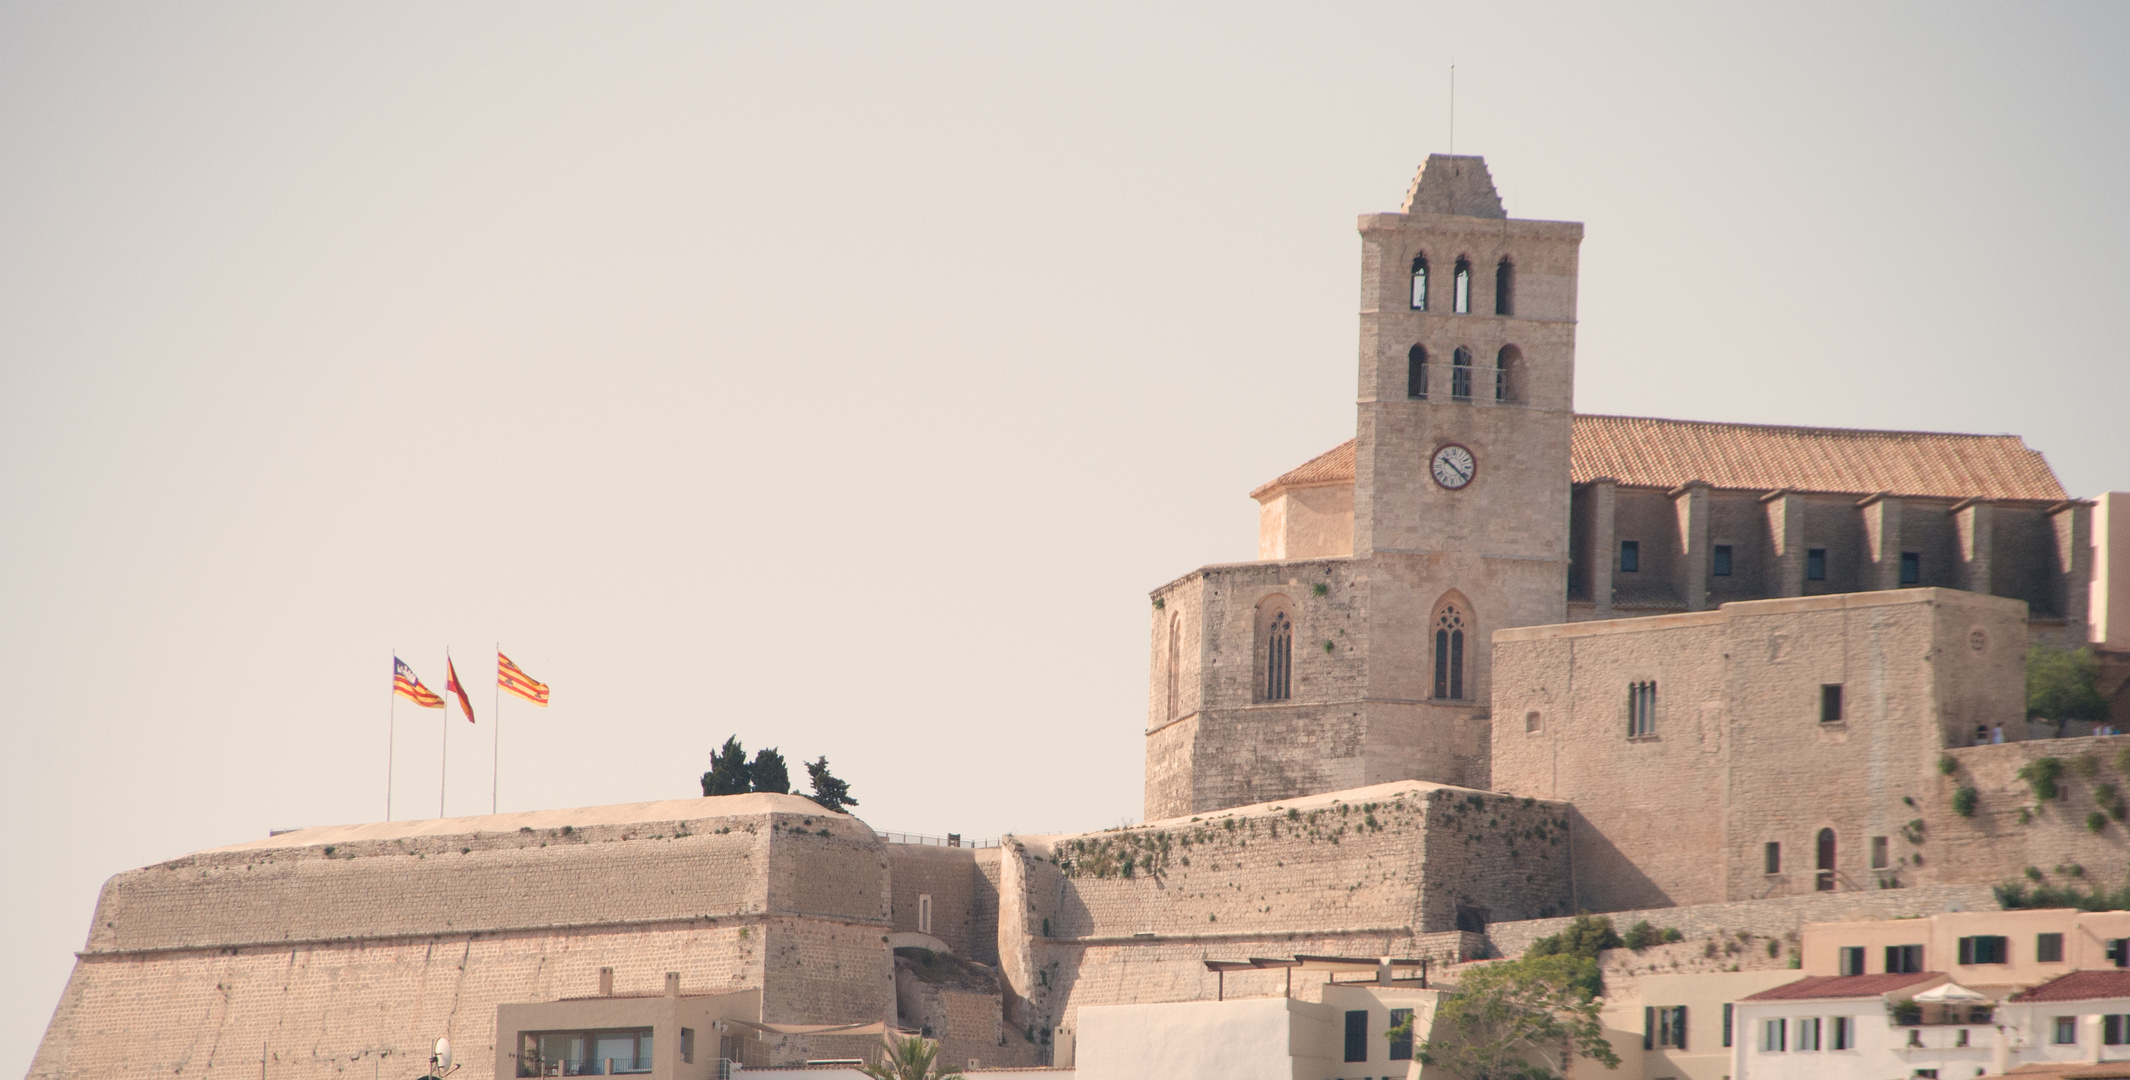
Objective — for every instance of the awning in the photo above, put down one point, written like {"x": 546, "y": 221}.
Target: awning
{"x": 1950, "y": 992}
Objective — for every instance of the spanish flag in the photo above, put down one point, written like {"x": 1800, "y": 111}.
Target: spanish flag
{"x": 514, "y": 679}
{"x": 451, "y": 685}
{"x": 408, "y": 685}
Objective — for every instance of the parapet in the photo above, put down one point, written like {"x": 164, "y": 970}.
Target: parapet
{"x": 1456, "y": 184}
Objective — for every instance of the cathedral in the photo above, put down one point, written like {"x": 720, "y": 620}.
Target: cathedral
{"x": 1473, "y": 498}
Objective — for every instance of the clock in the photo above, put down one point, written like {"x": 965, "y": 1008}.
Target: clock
{"x": 1454, "y": 466}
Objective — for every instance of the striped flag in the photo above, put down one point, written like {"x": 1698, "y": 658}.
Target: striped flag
{"x": 408, "y": 685}
{"x": 451, "y": 686}
{"x": 511, "y": 677}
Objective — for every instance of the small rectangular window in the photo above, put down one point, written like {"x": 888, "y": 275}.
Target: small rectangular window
{"x": 2066, "y": 1031}
{"x": 924, "y": 913}
{"x": 1641, "y": 710}
{"x": 1726, "y": 1024}
{"x": 1771, "y": 858}
{"x": 687, "y": 1045}
{"x": 1720, "y": 561}
{"x": 1630, "y": 556}
{"x": 1357, "y": 1035}
{"x": 1830, "y": 703}
{"x": 1808, "y": 1033}
{"x": 1852, "y": 960}
{"x": 1816, "y": 564}
{"x": 1879, "y": 855}
{"x": 1774, "y": 1036}
{"x": 2115, "y": 1029}
{"x": 1984, "y": 949}
{"x": 1904, "y": 959}
{"x": 2048, "y": 948}
{"x": 2119, "y": 952}
{"x": 1844, "y": 1033}
{"x": 1911, "y": 568}
{"x": 1401, "y": 1049}
{"x": 1671, "y": 1027}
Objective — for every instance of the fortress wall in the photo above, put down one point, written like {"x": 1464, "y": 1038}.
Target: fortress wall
{"x": 1313, "y": 876}
{"x": 1996, "y": 845}
{"x": 479, "y": 879}
{"x": 1235, "y": 757}
{"x": 983, "y": 921}
{"x": 327, "y": 946}
{"x": 949, "y": 877}
{"x": 1773, "y": 917}
{"x": 337, "y": 1010}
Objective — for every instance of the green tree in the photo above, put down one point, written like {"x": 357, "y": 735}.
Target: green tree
{"x": 768, "y": 772}
{"x": 728, "y": 771}
{"x": 909, "y": 1058}
{"x": 1517, "y": 1020}
{"x": 2063, "y": 684}
{"x": 831, "y": 793}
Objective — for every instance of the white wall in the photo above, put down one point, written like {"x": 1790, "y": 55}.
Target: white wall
{"x": 1195, "y": 1040}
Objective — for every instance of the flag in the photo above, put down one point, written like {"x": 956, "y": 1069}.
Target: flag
{"x": 451, "y": 685}
{"x": 408, "y": 685}
{"x": 510, "y": 677}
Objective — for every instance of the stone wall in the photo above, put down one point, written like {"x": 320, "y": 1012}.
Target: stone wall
{"x": 1129, "y": 915}
{"x": 1740, "y": 757}
{"x": 949, "y": 876}
{"x": 1776, "y": 917}
{"x": 317, "y": 949}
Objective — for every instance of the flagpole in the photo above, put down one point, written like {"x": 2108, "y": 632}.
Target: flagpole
{"x": 391, "y": 722}
{"x": 495, "y": 759}
{"x": 445, "y": 761}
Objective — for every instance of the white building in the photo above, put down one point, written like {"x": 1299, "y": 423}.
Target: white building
{"x": 1278, "y": 1038}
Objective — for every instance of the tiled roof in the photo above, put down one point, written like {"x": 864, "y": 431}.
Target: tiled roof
{"x": 1648, "y": 452}
{"x": 1822, "y": 987}
{"x": 1333, "y": 466}
{"x": 1666, "y": 453}
{"x": 2082, "y": 986}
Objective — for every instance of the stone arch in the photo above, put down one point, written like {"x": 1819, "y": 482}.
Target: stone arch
{"x": 1416, "y": 372}
{"x": 1823, "y": 879}
{"x": 1275, "y": 648}
{"x": 1505, "y": 287}
{"x": 1419, "y": 294}
{"x": 1453, "y": 627}
{"x": 1509, "y": 374}
{"x": 1461, "y": 286}
{"x": 1461, "y": 374}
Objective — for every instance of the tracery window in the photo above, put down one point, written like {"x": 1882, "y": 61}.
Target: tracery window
{"x": 1506, "y": 363}
{"x": 1461, "y": 374}
{"x": 1504, "y": 287}
{"x": 1464, "y": 287}
{"x": 1825, "y": 879}
{"x": 1279, "y": 658}
{"x": 1419, "y": 283}
{"x": 1416, "y": 372}
{"x": 1449, "y": 653}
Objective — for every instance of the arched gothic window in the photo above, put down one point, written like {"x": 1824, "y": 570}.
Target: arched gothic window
{"x": 1825, "y": 882}
{"x": 1419, "y": 283}
{"x": 1504, "y": 287}
{"x": 1464, "y": 287}
{"x": 1506, "y": 363}
{"x": 1175, "y": 666}
{"x": 1449, "y": 653}
{"x": 1461, "y": 374}
{"x": 1279, "y": 658}
{"x": 1416, "y": 372}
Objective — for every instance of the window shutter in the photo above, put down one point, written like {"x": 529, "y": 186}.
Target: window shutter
{"x": 1649, "y": 1027}
{"x": 1679, "y": 1029}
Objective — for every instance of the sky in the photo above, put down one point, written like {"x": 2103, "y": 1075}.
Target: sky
{"x": 843, "y": 376}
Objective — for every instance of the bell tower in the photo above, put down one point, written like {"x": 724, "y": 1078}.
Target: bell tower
{"x": 1461, "y": 485}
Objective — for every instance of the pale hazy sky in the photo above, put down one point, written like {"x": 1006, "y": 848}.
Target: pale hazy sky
{"x": 844, "y": 376}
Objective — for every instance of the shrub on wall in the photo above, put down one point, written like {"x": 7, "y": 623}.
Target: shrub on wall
{"x": 1947, "y": 765}
{"x": 1964, "y": 801}
{"x": 2041, "y": 775}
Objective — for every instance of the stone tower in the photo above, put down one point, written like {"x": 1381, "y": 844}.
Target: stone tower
{"x": 1356, "y": 650}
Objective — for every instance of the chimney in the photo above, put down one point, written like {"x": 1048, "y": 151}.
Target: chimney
{"x": 672, "y": 984}
{"x": 606, "y": 982}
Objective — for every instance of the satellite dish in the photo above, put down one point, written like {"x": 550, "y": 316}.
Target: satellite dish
{"x": 443, "y": 1054}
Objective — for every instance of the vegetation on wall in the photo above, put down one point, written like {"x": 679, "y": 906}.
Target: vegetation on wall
{"x": 731, "y": 774}
{"x": 2063, "y": 684}
{"x": 2018, "y": 894}
{"x": 1964, "y": 801}
{"x": 1516, "y": 1019}
{"x": 2041, "y": 775}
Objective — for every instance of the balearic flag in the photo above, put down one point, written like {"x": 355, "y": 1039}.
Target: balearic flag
{"x": 512, "y": 678}
{"x": 408, "y": 685}
{"x": 451, "y": 685}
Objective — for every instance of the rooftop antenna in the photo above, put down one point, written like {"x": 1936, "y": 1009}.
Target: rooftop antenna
{"x": 1453, "y": 107}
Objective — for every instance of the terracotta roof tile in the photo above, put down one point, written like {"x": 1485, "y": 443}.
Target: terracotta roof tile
{"x": 1333, "y": 466}
{"x": 1649, "y": 452}
{"x": 1666, "y": 453}
{"x": 2082, "y": 986}
{"x": 1822, "y": 987}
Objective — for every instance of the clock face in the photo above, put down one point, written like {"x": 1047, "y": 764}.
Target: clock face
{"x": 1454, "y": 466}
